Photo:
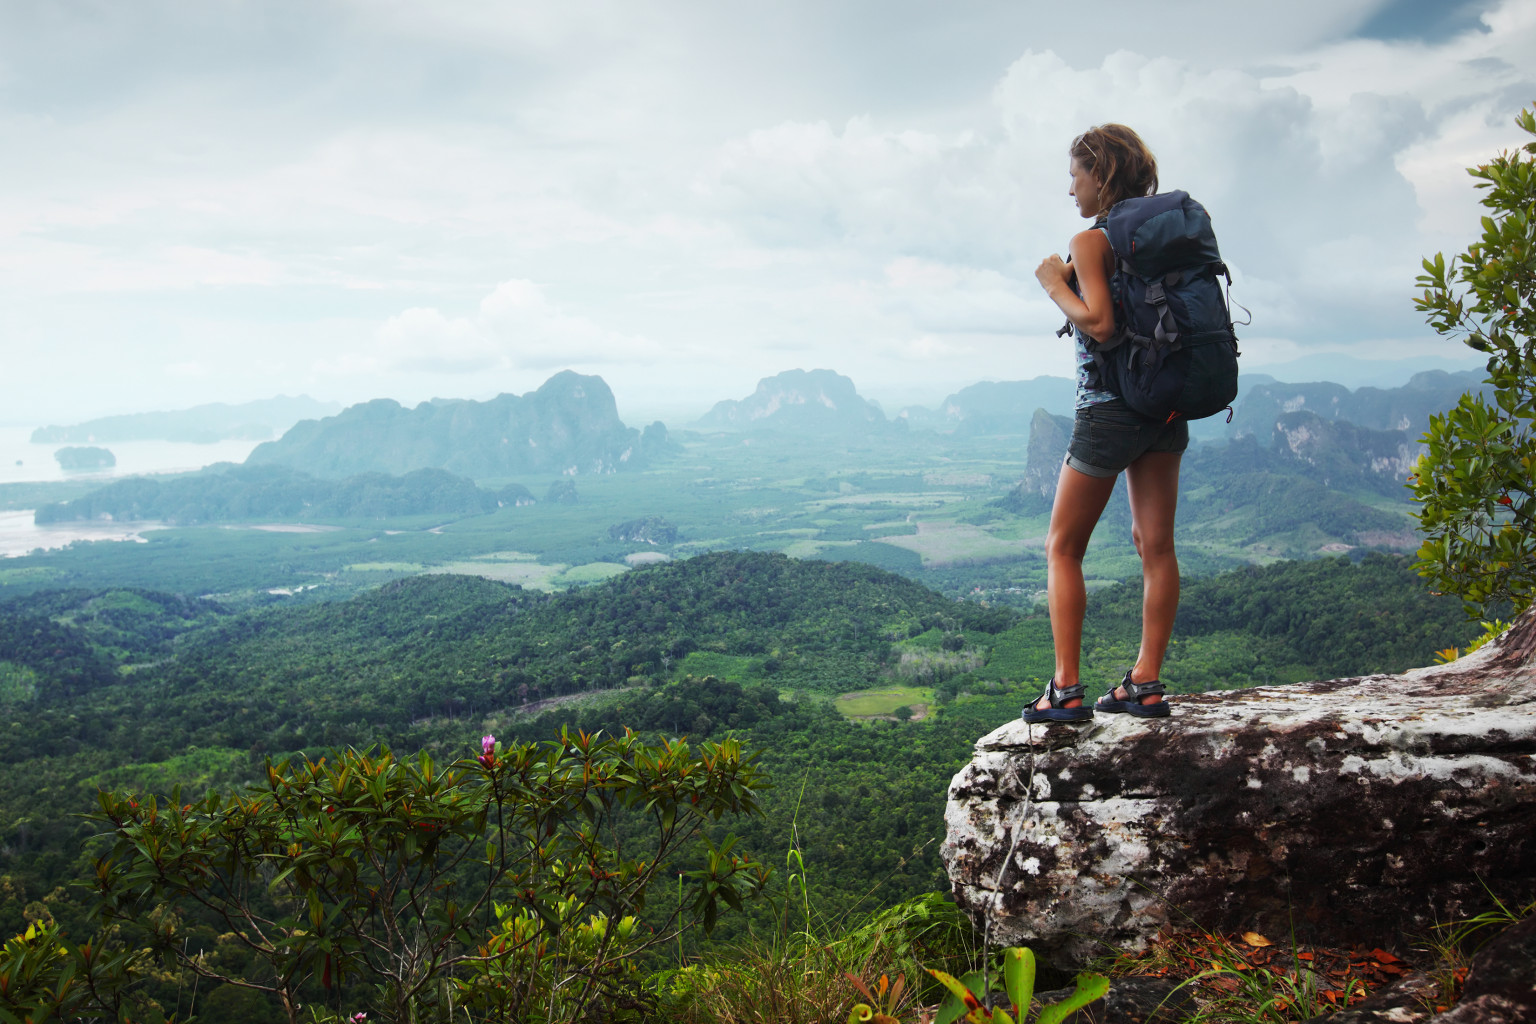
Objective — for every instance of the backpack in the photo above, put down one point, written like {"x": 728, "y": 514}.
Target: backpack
{"x": 1174, "y": 353}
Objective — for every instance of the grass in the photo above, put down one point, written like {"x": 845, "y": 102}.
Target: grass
{"x": 884, "y": 701}
{"x": 945, "y": 543}
{"x": 730, "y": 667}
{"x": 808, "y": 970}
{"x": 1454, "y": 945}
{"x": 592, "y": 572}
{"x": 813, "y": 971}
{"x": 1248, "y": 979}
{"x": 814, "y": 548}
{"x": 532, "y": 575}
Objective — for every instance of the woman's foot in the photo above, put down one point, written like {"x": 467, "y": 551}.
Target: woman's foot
{"x": 1143, "y": 700}
{"x": 1059, "y": 705}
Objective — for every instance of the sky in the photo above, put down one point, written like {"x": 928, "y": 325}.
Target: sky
{"x": 225, "y": 200}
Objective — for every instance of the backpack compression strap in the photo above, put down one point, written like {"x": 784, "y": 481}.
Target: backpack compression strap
{"x": 1166, "y": 333}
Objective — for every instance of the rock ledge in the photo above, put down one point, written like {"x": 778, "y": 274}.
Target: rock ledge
{"x": 1344, "y": 811}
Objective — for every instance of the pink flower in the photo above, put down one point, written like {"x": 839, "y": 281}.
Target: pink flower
{"x": 487, "y": 744}
{"x": 358, "y": 1018}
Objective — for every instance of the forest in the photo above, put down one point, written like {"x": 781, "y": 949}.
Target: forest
{"x": 847, "y": 617}
{"x": 136, "y": 690}
{"x": 814, "y": 634}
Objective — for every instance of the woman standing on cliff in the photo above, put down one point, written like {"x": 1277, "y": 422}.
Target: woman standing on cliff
{"x": 1108, "y": 163}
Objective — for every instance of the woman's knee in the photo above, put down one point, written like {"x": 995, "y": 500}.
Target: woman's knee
{"x": 1064, "y": 544}
{"x": 1152, "y": 545}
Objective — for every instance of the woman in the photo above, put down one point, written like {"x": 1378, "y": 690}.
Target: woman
{"x": 1108, "y": 163}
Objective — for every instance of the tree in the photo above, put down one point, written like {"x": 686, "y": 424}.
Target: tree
{"x": 1475, "y": 483}
{"x": 500, "y": 884}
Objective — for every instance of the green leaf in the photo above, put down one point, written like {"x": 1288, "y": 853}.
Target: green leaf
{"x": 1019, "y": 976}
{"x": 1089, "y": 988}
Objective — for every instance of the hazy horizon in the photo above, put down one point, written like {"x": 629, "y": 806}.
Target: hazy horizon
{"x": 354, "y": 201}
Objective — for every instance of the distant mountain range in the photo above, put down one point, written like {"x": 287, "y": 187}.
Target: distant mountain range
{"x": 570, "y": 425}
{"x": 1262, "y": 401}
{"x": 1309, "y": 473}
{"x": 203, "y": 424}
{"x": 994, "y": 407}
{"x": 228, "y": 493}
{"x": 1010, "y": 407}
{"x": 800, "y": 402}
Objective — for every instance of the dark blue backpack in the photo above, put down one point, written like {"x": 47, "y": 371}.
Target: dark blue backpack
{"x": 1174, "y": 354}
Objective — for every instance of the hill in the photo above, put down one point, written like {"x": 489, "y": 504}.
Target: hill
{"x": 801, "y": 402}
{"x": 202, "y": 424}
{"x": 128, "y": 688}
{"x": 1315, "y": 485}
{"x": 569, "y": 425}
{"x": 227, "y": 493}
{"x": 1007, "y": 407}
{"x": 994, "y": 407}
{"x": 1407, "y": 408}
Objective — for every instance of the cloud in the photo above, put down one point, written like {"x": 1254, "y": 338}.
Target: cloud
{"x": 423, "y": 339}
{"x": 515, "y": 327}
{"x": 1314, "y": 173}
{"x": 703, "y": 194}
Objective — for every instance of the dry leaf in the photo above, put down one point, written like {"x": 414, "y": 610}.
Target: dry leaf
{"x": 1382, "y": 956}
{"x": 1255, "y": 939}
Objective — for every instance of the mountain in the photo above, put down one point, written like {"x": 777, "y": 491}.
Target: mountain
{"x": 569, "y": 425}
{"x": 1048, "y": 438}
{"x": 1259, "y": 405}
{"x": 994, "y": 407}
{"x": 1316, "y": 485}
{"x": 1354, "y": 372}
{"x": 226, "y": 493}
{"x": 202, "y": 424}
{"x": 801, "y": 402}
{"x": 76, "y": 459}
{"x": 1340, "y": 453}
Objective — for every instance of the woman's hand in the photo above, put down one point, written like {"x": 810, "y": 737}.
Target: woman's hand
{"x": 1092, "y": 312}
{"x": 1054, "y": 271}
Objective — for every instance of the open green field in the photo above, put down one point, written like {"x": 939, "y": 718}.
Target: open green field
{"x": 730, "y": 667}
{"x": 884, "y": 701}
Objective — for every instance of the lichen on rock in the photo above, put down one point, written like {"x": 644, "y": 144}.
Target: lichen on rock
{"x": 1337, "y": 811}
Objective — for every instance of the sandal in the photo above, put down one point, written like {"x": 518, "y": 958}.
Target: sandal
{"x": 1133, "y": 705}
{"x": 1057, "y": 713}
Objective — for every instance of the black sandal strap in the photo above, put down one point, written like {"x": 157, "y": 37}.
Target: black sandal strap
{"x": 1136, "y": 691}
{"x": 1060, "y": 697}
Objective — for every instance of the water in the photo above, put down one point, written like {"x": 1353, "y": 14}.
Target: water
{"x": 20, "y": 536}
{"x": 21, "y": 461}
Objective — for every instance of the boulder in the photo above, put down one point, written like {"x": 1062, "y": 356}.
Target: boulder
{"x": 1343, "y": 812}
{"x": 1501, "y": 986}
{"x": 1500, "y": 989}
{"x": 1410, "y": 1000}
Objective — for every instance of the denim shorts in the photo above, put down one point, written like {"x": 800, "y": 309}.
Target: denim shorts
{"x": 1109, "y": 436}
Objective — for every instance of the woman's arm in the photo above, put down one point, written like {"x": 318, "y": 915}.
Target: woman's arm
{"x": 1094, "y": 312}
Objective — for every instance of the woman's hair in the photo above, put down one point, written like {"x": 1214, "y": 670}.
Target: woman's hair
{"x": 1122, "y": 161}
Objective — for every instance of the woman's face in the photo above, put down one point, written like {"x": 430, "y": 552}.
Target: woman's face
{"x": 1085, "y": 189}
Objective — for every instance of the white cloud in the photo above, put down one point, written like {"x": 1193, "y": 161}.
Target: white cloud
{"x": 515, "y": 327}
{"x": 424, "y": 339}
{"x": 331, "y": 191}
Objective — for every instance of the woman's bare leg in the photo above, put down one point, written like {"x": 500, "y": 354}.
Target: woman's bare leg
{"x": 1152, "y": 483}
{"x": 1080, "y": 500}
